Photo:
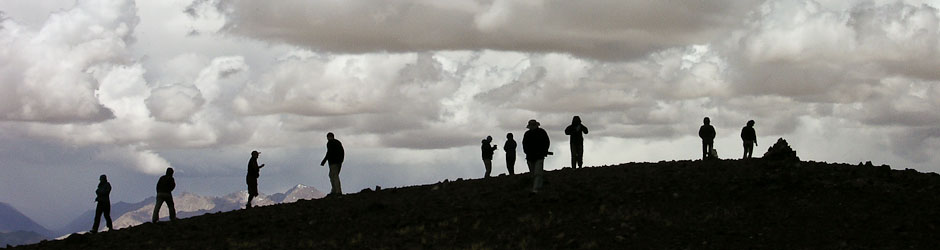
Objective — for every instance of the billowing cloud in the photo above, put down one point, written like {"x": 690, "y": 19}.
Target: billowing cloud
{"x": 411, "y": 87}
{"x": 47, "y": 74}
{"x": 142, "y": 160}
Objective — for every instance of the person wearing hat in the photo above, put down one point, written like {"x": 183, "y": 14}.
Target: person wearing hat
{"x": 254, "y": 171}
{"x": 488, "y": 151}
{"x": 577, "y": 131}
{"x": 535, "y": 144}
{"x": 104, "y": 204}
{"x": 165, "y": 187}
{"x": 334, "y": 155}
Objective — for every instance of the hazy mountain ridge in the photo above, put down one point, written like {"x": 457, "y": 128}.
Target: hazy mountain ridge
{"x": 715, "y": 204}
{"x": 16, "y": 228}
{"x": 12, "y": 220}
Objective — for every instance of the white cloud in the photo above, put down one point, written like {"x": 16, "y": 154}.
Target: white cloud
{"x": 145, "y": 160}
{"x": 47, "y": 74}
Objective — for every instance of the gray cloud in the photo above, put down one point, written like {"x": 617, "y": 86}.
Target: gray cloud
{"x": 608, "y": 30}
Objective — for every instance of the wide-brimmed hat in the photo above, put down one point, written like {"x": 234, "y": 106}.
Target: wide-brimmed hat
{"x": 532, "y": 124}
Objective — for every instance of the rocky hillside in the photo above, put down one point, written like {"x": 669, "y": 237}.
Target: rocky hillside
{"x": 717, "y": 204}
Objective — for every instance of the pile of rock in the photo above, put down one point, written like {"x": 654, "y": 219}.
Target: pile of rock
{"x": 781, "y": 151}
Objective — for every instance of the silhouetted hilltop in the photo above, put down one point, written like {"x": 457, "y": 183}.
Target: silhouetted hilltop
{"x": 719, "y": 204}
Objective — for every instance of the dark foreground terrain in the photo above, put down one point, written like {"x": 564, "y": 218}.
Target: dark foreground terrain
{"x": 730, "y": 204}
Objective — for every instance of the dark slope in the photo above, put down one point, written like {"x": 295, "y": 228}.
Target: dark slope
{"x": 668, "y": 205}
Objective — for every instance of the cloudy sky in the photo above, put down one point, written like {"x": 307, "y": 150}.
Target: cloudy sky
{"x": 129, "y": 88}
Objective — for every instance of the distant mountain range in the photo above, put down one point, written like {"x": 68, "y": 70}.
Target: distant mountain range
{"x": 131, "y": 214}
{"x": 18, "y": 229}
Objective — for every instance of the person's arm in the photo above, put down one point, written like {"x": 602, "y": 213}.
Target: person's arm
{"x": 584, "y": 128}
{"x": 261, "y": 166}
{"x": 172, "y": 184}
{"x": 548, "y": 142}
{"x": 327, "y": 156}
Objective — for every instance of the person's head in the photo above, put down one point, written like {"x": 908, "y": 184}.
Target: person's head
{"x": 169, "y": 171}
{"x": 103, "y": 178}
{"x": 509, "y": 136}
{"x": 576, "y": 120}
{"x": 707, "y": 121}
{"x": 532, "y": 124}
{"x": 489, "y": 138}
{"x": 750, "y": 123}
{"x": 329, "y": 135}
{"x": 255, "y": 153}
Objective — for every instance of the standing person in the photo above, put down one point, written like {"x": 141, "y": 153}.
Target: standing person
{"x": 510, "y": 148}
{"x": 750, "y": 139}
{"x": 488, "y": 151}
{"x": 104, "y": 204}
{"x": 254, "y": 171}
{"x": 165, "y": 187}
{"x": 535, "y": 144}
{"x": 707, "y": 133}
{"x": 334, "y": 154}
{"x": 577, "y": 131}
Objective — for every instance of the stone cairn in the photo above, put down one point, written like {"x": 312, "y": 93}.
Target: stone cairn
{"x": 781, "y": 151}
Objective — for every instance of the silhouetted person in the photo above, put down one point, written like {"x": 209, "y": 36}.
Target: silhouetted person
{"x": 707, "y": 133}
{"x": 750, "y": 139}
{"x": 488, "y": 151}
{"x": 535, "y": 144}
{"x": 254, "y": 171}
{"x": 334, "y": 155}
{"x": 510, "y": 148}
{"x": 165, "y": 187}
{"x": 104, "y": 204}
{"x": 577, "y": 131}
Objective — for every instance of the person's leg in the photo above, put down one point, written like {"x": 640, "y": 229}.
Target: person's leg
{"x": 252, "y": 190}
{"x": 528, "y": 164}
{"x": 745, "y": 151}
{"x": 580, "y": 156}
{"x": 169, "y": 204}
{"x": 336, "y": 186}
{"x": 156, "y": 208}
{"x": 510, "y": 161}
{"x": 711, "y": 145}
{"x": 94, "y": 227}
{"x": 488, "y": 165}
{"x": 107, "y": 217}
{"x": 749, "y": 149}
{"x": 537, "y": 169}
{"x": 704, "y": 150}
